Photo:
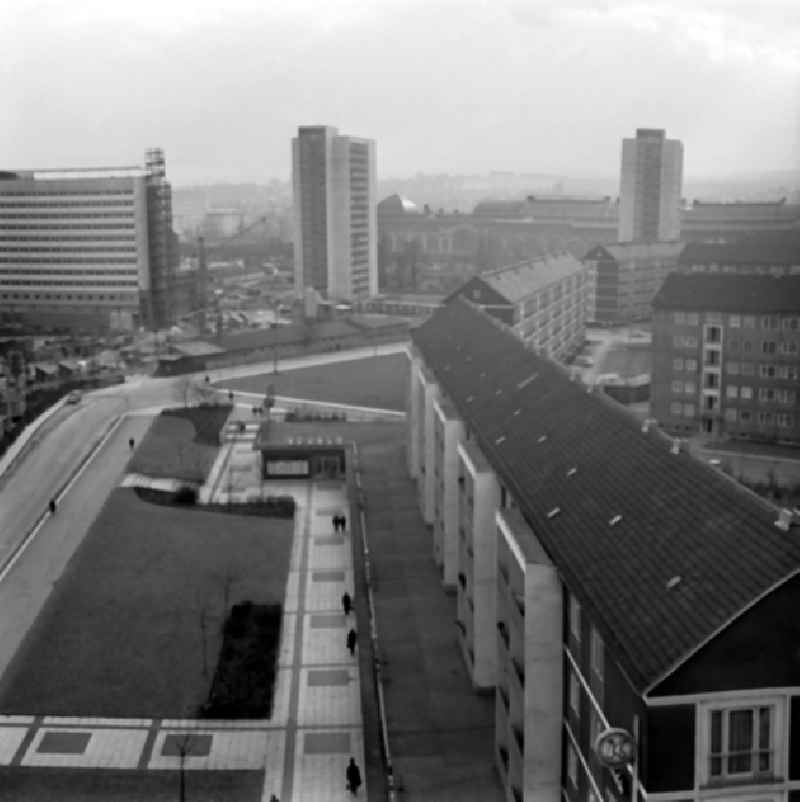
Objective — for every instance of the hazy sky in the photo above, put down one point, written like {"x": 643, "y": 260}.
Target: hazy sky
{"x": 466, "y": 86}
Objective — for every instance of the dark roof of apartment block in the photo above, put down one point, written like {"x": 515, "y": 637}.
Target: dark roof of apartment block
{"x": 663, "y": 551}
{"x": 729, "y": 292}
{"x": 754, "y": 251}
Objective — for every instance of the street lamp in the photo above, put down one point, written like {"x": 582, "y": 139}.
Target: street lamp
{"x": 617, "y": 750}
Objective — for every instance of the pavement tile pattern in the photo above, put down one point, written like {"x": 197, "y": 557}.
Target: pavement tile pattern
{"x": 316, "y": 725}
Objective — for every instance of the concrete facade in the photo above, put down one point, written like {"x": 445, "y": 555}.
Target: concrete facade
{"x": 449, "y": 431}
{"x": 335, "y": 213}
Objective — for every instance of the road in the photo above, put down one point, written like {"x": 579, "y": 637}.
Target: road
{"x": 68, "y": 436}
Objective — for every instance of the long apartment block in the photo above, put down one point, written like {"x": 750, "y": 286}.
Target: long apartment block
{"x": 604, "y": 579}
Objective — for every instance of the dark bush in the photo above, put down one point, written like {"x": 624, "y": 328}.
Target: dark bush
{"x": 185, "y": 494}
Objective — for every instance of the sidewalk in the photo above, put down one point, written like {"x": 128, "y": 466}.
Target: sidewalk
{"x": 441, "y": 732}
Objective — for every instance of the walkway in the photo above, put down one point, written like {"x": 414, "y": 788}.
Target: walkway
{"x": 315, "y": 727}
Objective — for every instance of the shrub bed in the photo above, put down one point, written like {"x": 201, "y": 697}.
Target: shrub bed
{"x": 245, "y": 674}
{"x": 207, "y": 420}
{"x": 186, "y": 496}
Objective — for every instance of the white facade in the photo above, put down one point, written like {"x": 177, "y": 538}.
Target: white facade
{"x": 335, "y": 213}
{"x": 651, "y": 179}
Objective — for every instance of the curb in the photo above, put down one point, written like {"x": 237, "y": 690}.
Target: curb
{"x": 18, "y": 448}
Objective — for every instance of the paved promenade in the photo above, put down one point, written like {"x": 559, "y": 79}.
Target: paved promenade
{"x": 303, "y": 748}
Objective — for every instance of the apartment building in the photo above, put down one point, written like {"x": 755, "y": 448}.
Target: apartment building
{"x": 774, "y": 255}
{"x": 624, "y": 278}
{"x": 89, "y": 248}
{"x": 336, "y": 235}
{"x": 545, "y": 300}
{"x": 726, "y": 356}
{"x": 651, "y": 178}
{"x": 604, "y": 580}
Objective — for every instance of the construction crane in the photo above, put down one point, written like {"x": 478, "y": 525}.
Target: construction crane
{"x": 202, "y": 273}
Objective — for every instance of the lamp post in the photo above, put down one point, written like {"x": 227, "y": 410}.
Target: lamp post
{"x": 617, "y": 750}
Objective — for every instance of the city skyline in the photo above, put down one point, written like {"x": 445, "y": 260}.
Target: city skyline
{"x": 224, "y": 92}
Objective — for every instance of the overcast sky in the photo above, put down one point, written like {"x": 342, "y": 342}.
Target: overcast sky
{"x": 466, "y": 86}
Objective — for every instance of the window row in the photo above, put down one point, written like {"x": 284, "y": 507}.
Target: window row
{"x": 73, "y": 192}
{"x": 784, "y": 420}
{"x": 60, "y": 297}
{"x": 58, "y": 273}
{"x": 765, "y": 371}
{"x": 52, "y": 204}
{"x": 65, "y": 248}
{"x": 69, "y": 283}
{"x": 767, "y": 322}
{"x": 68, "y": 239}
{"x": 66, "y": 226}
{"x": 68, "y": 260}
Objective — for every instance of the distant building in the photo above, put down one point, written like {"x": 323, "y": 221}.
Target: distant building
{"x": 336, "y": 236}
{"x": 726, "y": 222}
{"x": 90, "y": 248}
{"x": 221, "y": 223}
{"x": 726, "y": 356}
{"x": 650, "y": 187}
{"x": 775, "y": 256}
{"x": 624, "y": 278}
{"x": 544, "y": 300}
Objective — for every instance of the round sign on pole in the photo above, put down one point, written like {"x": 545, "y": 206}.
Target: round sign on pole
{"x": 615, "y": 748}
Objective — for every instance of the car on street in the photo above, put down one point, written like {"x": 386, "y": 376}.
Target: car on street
{"x": 74, "y": 397}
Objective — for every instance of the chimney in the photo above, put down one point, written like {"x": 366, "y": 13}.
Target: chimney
{"x": 785, "y": 519}
{"x": 675, "y": 448}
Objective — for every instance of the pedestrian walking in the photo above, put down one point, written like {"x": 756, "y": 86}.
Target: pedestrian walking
{"x": 335, "y": 522}
{"x": 131, "y": 444}
{"x": 343, "y": 522}
{"x": 353, "y": 775}
{"x": 352, "y": 637}
{"x": 347, "y": 603}
{"x": 52, "y": 506}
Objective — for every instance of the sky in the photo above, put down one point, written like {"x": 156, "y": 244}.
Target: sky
{"x": 442, "y": 86}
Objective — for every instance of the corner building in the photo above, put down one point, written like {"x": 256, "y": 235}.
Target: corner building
{"x": 726, "y": 356}
{"x": 335, "y": 214}
{"x": 89, "y": 249}
{"x": 602, "y": 581}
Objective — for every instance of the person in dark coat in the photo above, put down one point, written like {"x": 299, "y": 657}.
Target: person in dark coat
{"x": 352, "y": 637}
{"x": 335, "y": 522}
{"x": 343, "y": 522}
{"x": 52, "y": 506}
{"x": 353, "y": 777}
{"x": 347, "y": 603}
{"x": 131, "y": 444}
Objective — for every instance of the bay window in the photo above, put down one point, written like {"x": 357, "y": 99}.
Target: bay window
{"x": 741, "y": 742}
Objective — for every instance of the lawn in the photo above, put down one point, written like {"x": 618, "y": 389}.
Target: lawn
{"x": 134, "y": 626}
{"x": 627, "y": 361}
{"x": 181, "y": 444}
{"x": 380, "y": 381}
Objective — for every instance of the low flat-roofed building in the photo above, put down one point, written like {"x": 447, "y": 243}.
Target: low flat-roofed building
{"x": 775, "y": 256}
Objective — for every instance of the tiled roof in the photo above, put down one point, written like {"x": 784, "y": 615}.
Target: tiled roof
{"x": 575, "y": 451}
{"x": 729, "y": 292}
{"x": 516, "y": 282}
{"x": 756, "y": 251}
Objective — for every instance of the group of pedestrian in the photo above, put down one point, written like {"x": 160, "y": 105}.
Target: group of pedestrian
{"x": 339, "y": 523}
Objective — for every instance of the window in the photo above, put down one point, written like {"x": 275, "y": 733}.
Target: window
{"x": 691, "y": 364}
{"x": 787, "y": 372}
{"x": 598, "y": 653}
{"x": 788, "y": 347}
{"x": 786, "y": 396}
{"x": 713, "y": 357}
{"x": 677, "y": 386}
{"x": 677, "y": 364}
{"x": 675, "y": 408}
{"x": 765, "y": 418}
{"x": 748, "y": 369}
{"x": 748, "y": 322}
{"x": 732, "y": 368}
{"x": 679, "y": 318}
{"x": 688, "y": 410}
{"x": 731, "y": 391}
{"x": 572, "y": 765}
{"x": 747, "y": 346}
{"x": 575, "y": 618}
{"x": 689, "y": 388}
{"x": 745, "y": 393}
{"x": 769, "y": 322}
{"x": 741, "y": 742}
{"x": 766, "y": 394}
{"x": 574, "y": 693}
{"x": 790, "y": 323}
{"x": 713, "y": 334}
{"x": 766, "y": 371}
{"x": 730, "y": 415}
{"x": 768, "y": 347}
{"x": 734, "y": 321}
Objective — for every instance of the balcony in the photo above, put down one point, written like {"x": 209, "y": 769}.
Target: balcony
{"x": 462, "y": 580}
{"x": 519, "y": 602}
{"x": 503, "y": 752}
{"x": 504, "y": 697}
{"x": 461, "y": 626}
{"x": 503, "y": 630}
{"x": 519, "y": 670}
{"x": 502, "y": 569}
{"x": 519, "y": 737}
{"x": 517, "y": 794}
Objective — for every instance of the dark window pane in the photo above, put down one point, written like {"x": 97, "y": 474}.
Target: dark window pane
{"x": 763, "y": 727}
{"x": 716, "y": 732}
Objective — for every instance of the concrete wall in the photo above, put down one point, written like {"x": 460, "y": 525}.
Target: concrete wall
{"x": 453, "y": 431}
{"x": 413, "y": 417}
{"x": 431, "y": 390}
